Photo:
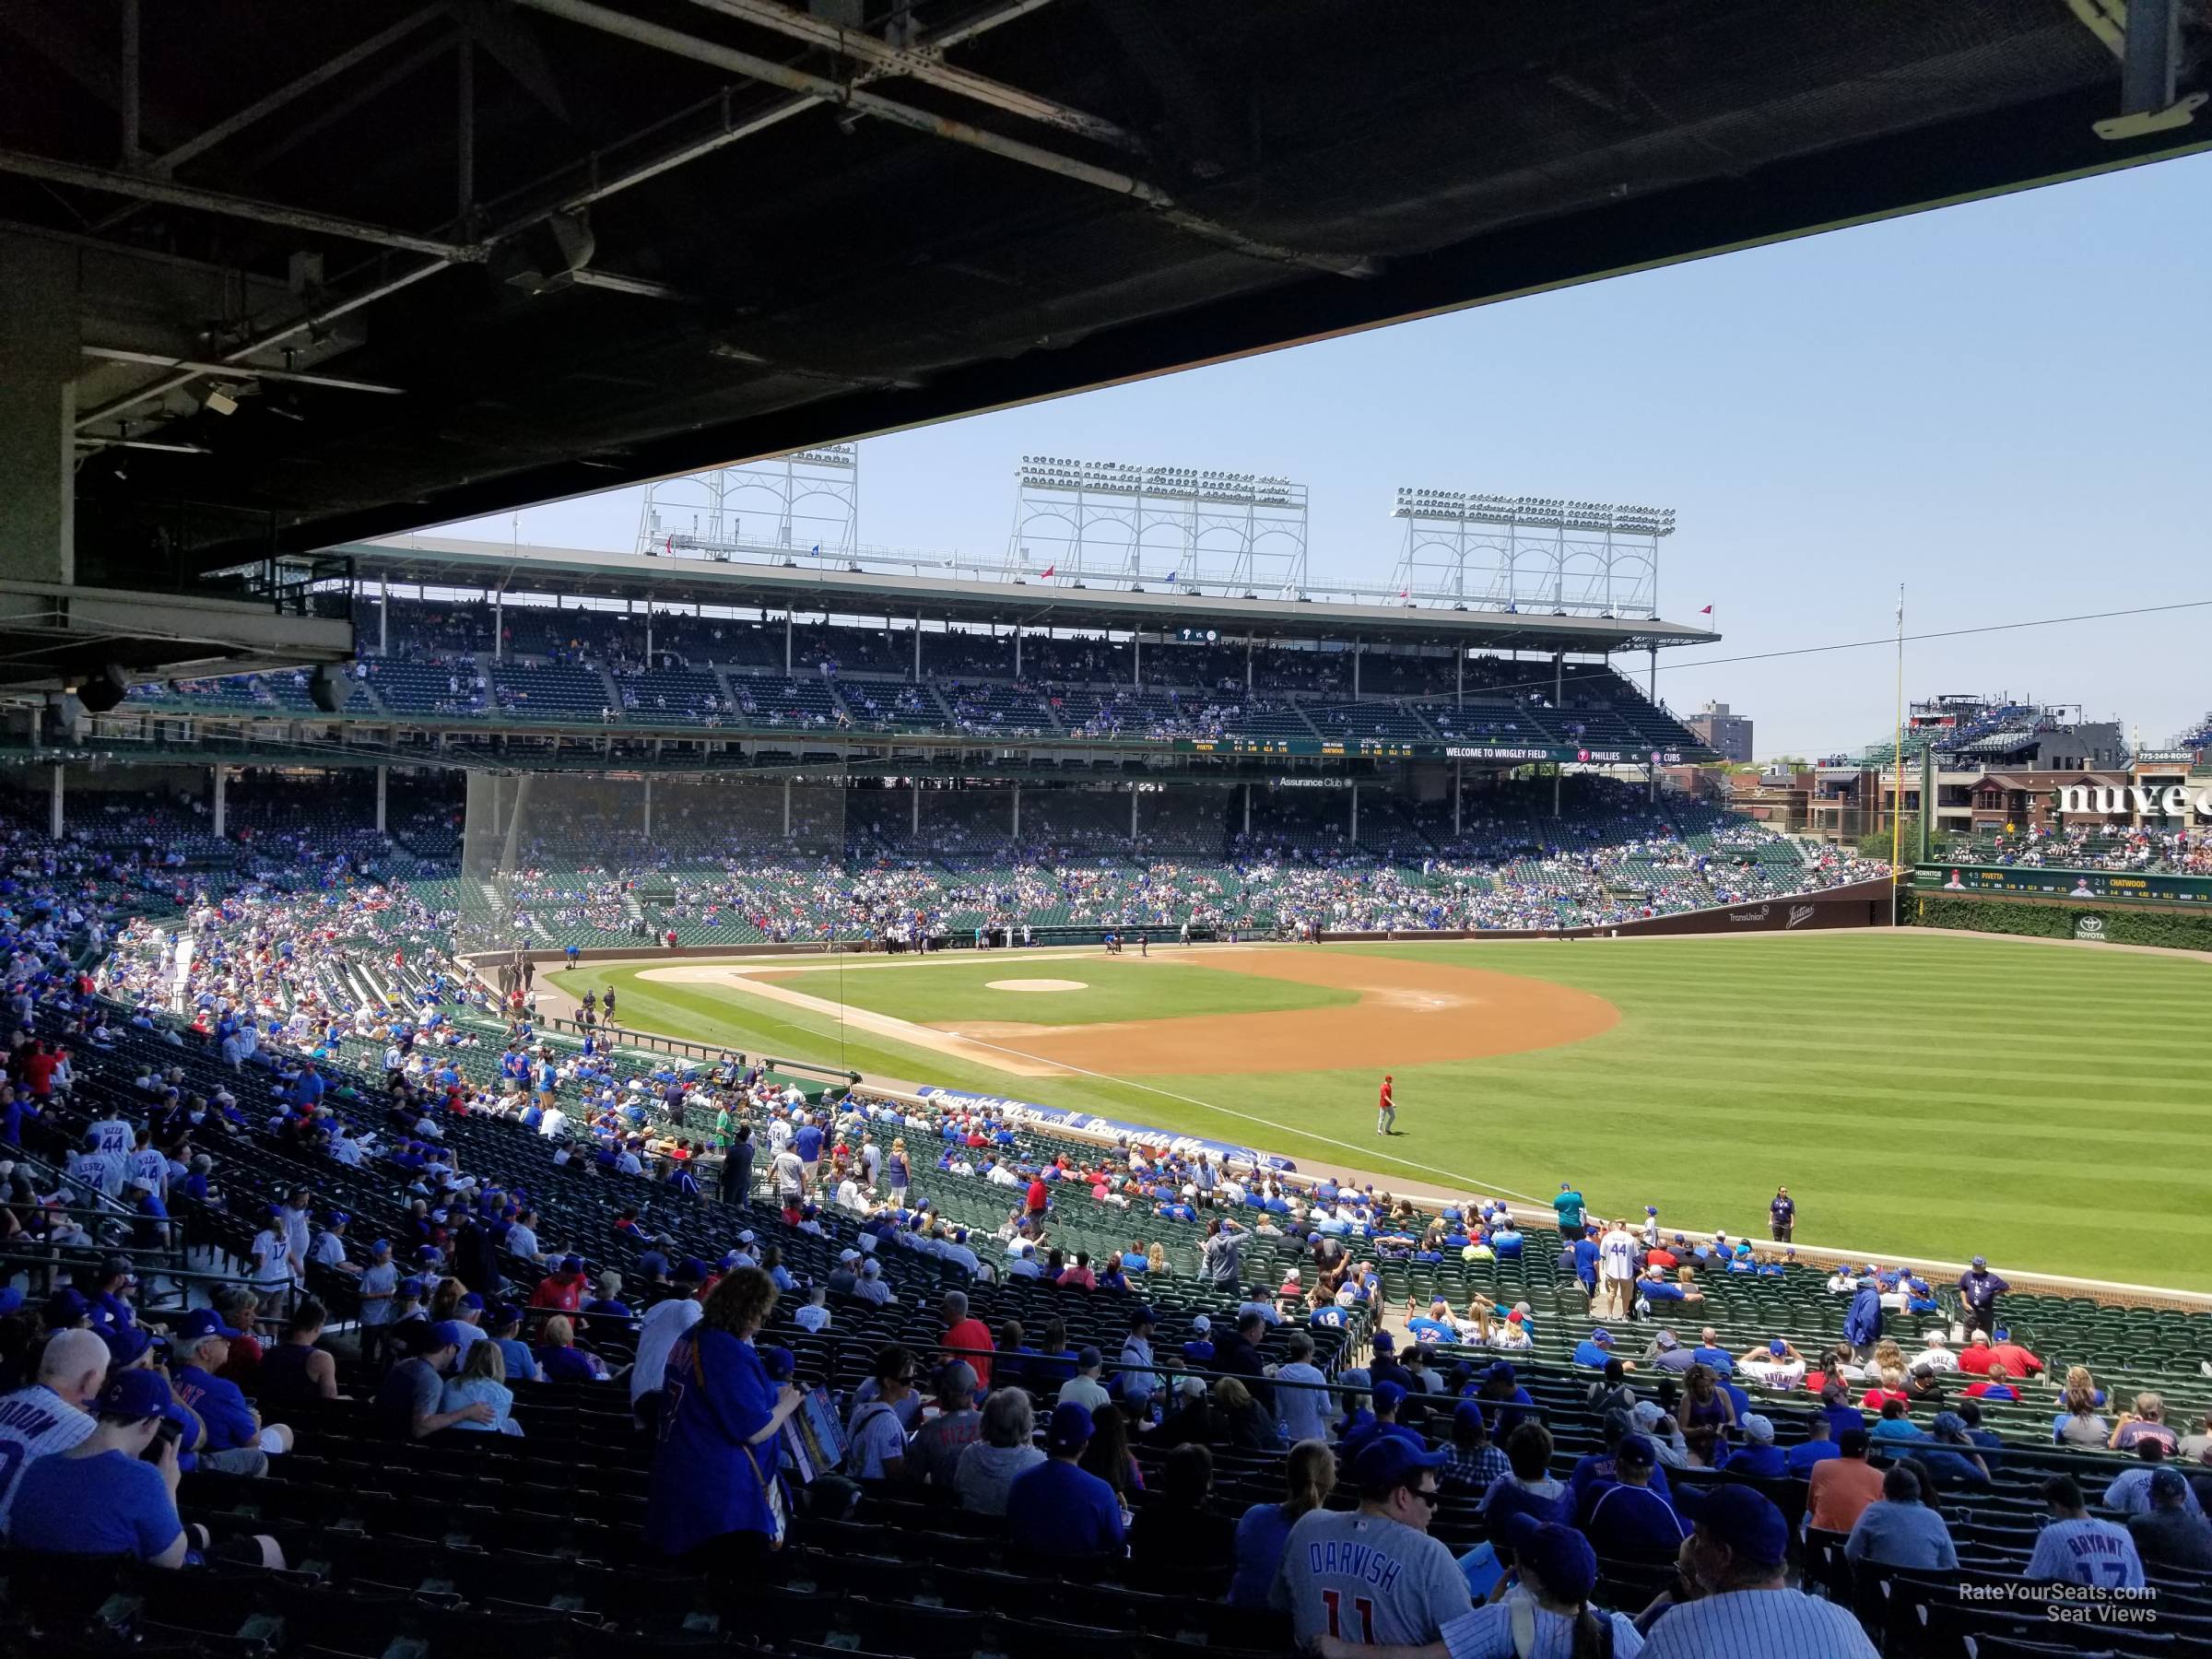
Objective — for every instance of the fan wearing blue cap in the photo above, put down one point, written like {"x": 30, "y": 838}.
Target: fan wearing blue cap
{"x": 1625, "y": 1519}
{"x": 1373, "y": 1576}
{"x": 237, "y": 1441}
{"x": 1059, "y": 1508}
{"x": 1558, "y": 1573}
{"x": 329, "y": 1248}
{"x": 101, "y": 1497}
{"x": 1386, "y": 1398}
{"x": 1595, "y": 1350}
{"x": 1736, "y": 1553}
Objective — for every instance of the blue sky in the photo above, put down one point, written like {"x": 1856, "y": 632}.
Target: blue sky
{"x": 1999, "y": 404}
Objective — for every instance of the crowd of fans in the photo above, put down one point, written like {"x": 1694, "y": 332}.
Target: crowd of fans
{"x": 483, "y": 1294}
{"x": 540, "y": 1220}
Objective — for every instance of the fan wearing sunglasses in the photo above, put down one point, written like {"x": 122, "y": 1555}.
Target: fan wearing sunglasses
{"x": 1374, "y": 1575}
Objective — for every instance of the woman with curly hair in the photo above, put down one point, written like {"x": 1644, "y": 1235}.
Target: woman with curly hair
{"x": 715, "y": 1501}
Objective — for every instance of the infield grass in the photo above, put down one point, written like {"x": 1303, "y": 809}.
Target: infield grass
{"x": 956, "y": 991}
{"x": 1919, "y": 1092}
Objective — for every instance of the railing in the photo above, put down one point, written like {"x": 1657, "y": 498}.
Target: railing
{"x": 683, "y": 1048}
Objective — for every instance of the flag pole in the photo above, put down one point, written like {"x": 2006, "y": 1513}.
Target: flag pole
{"x": 1897, "y": 801}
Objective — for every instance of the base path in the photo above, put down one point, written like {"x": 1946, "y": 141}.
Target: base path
{"x": 1408, "y": 1013}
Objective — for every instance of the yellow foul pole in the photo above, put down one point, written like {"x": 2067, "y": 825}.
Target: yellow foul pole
{"x": 1896, "y": 799}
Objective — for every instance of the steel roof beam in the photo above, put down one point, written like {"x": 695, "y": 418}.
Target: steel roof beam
{"x": 925, "y": 66}
{"x": 751, "y": 67}
{"x": 139, "y": 187}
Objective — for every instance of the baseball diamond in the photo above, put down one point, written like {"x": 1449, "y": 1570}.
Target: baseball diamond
{"x": 1811, "y": 1060}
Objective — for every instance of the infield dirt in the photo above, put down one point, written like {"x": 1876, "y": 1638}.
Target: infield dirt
{"x": 1408, "y": 1013}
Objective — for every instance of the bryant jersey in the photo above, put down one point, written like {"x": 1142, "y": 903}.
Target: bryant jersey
{"x": 33, "y": 1422}
{"x": 115, "y": 1136}
{"x": 2088, "y": 1552}
{"x": 1617, "y": 1254}
{"x": 1369, "y": 1581}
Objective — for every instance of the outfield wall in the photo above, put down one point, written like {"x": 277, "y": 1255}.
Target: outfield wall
{"x": 2159, "y": 922}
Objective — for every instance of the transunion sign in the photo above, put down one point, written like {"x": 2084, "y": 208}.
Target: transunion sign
{"x": 2103, "y": 800}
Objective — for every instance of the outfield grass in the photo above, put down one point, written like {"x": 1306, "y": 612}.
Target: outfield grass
{"x": 956, "y": 991}
{"x": 1919, "y": 1092}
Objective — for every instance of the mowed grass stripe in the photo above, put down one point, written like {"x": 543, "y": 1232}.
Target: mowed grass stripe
{"x": 958, "y": 991}
{"x": 1920, "y": 1093}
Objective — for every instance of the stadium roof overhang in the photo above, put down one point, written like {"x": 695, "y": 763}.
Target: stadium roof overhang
{"x": 813, "y": 588}
{"x": 343, "y": 271}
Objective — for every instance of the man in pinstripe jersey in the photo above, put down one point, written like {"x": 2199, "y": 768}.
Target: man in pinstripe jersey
{"x": 1747, "y": 1612}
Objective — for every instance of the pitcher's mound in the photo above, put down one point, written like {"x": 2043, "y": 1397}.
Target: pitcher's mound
{"x": 1037, "y": 985}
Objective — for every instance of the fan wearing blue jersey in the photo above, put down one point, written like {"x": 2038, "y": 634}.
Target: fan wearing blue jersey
{"x": 715, "y": 1501}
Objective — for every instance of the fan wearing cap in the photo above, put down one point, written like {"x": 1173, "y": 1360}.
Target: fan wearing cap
{"x": 1387, "y": 1398}
{"x": 1736, "y": 1553}
{"x": 1374, "y": 1575}
{"x": 329, "y": 1248}
{"x": 1548, "y": 1614}
{"x": 1597, "y": 1349}
{"x": 1625, "y": 1519}
{"x": 1979, "y": 1289}
{"x": 110, "y": 1293}
{"x": 1775, "y": 1363}
{"x": 1059, "y": 1508}
{"x": 236, "y": 1439}
{"x": 935, "y": 1452}
{"x": 101, "y": 1497}
{"x": 1759, "y": 1456}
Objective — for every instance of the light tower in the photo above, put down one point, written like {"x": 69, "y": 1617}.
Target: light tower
{"x": 806, "y": 504}
{"x": 1115, "y": 523}
{"x": 1531, "y": 553}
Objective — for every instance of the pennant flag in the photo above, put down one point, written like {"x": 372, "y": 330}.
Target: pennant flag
{"x": 1046, "y": 574}
{"x": 817, "y": 549}
{"x": 1174, "y": 577}
{"x": 1405, "y": 593}
{"x": 671, "y": 547}
{"x": 1706, "y": 612}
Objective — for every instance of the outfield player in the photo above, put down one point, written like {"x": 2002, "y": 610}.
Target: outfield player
{"x": 1374, "y": 1575}
{"x": 1387, "y": 1110}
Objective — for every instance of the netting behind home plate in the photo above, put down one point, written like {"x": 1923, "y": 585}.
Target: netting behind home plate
{"x": 554, "y": 858}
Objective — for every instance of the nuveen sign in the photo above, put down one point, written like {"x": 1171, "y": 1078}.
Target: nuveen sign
{"x": 2103, "y": 800}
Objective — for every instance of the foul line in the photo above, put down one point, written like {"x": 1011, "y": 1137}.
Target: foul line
{"x": 1252, "y": 1118}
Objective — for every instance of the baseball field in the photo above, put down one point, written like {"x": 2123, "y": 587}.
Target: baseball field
{"x": 1919, "y": 1092}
